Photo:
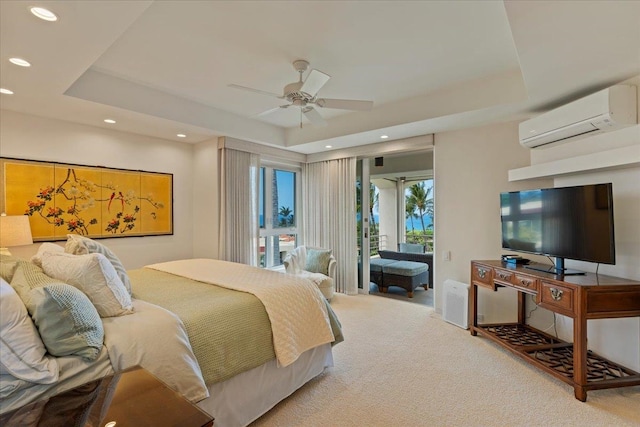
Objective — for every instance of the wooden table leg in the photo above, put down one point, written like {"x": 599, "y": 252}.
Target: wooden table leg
{"x": 580, "y": 357}
{"x": 522, "y": 308}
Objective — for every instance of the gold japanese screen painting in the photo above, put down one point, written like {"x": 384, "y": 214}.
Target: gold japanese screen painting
{"x": 91, "y": 201}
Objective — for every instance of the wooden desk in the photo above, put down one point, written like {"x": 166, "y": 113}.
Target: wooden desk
{"x": 581, "y": 298}
{"x": 131, "y": 398}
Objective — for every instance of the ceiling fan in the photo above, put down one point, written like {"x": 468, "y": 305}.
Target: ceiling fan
{"x": 303, "y": 94}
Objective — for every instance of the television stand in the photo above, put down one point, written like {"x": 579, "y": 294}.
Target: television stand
{"x": 581, "y": 298}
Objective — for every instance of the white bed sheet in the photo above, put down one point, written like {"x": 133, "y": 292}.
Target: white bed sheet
{"x": 74, "y": 371}
{"x": 240, "y": 400}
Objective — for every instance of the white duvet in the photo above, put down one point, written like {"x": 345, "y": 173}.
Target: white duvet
{"x": 155, "y": 339}
{"x": 296, "y": 308}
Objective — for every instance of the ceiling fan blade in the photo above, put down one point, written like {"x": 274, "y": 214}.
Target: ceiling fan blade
{"x": 314, "y": 82}
{"x": 263, "y": 92}
{"x": 345, "y": 104}
{"x": 314, "y": 117}
{"x": 272, "y": 110}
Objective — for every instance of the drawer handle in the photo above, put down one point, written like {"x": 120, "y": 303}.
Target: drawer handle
{"x": 482, "y": 272}
{"x": 525, "y": 282}
{"x": 503, "y": 276}
{"x": 556, "y": 294}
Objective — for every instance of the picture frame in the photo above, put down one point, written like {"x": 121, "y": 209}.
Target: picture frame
{"x": 92, "y": 201}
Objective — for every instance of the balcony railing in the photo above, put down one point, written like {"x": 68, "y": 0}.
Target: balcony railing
{"x": 379, "y": 242}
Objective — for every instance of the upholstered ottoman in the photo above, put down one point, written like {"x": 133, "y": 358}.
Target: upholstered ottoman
{"x": 405, "y": 274}
{"x": 375, "y": 269}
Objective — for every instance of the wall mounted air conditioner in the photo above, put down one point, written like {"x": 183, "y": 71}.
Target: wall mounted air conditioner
{"x": 607, "y": 110}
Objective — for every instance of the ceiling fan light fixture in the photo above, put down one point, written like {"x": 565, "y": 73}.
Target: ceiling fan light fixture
{"x": 300, "y": 103}
{"x": 303, "y": 94}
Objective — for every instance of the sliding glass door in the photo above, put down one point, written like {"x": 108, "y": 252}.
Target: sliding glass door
{"x": 363, "y": 223}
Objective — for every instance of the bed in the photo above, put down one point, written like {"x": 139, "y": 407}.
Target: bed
{"x": 228, "y": 337}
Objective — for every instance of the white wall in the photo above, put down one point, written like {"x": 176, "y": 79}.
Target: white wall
{"x": 36, "y": 138}
{"x": 471, "y": 169}
{"x": 206, "y": 211}
{"x": 616, "y": 339}
{"x": 388, "y": 216}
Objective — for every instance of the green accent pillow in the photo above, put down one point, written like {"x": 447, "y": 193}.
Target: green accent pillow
{"x": 8, "y": 265}
{"x": 318, "y": 260}
{"x": 29, "y": 276}
{"x": 67, "y": 321}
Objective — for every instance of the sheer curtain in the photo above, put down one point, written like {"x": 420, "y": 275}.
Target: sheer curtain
{"x": 329, "y": 215}
{"x": 239, "y": 181}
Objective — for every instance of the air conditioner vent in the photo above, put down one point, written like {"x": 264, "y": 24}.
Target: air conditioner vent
{"x": 610, "y": 109}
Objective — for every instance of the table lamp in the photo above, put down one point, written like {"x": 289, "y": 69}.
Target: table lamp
{"x": 14, "y": 231}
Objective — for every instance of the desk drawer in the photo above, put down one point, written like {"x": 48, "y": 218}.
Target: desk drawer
{"x": 526, "y": 282}
{"x": 557, "y": 298}
{"x": 503, "y": 275}
{"x": 482, "y": 274}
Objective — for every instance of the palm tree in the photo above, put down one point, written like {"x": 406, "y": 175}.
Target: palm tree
{"x": 409, "y": 209}
{"x": 373, "y": 201}
{"x": 286, "y": 216}
{"x": 419, "y": 196}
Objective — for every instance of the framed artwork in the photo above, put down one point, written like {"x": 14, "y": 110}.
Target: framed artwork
{"x": 92, "y": 201}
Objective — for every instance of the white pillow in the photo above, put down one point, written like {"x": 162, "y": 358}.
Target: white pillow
{"x": 22, "y": 352}
{"x": 80, "y": 245}
{"x": 95, "y": 276}
{"x": 45, "y": 247}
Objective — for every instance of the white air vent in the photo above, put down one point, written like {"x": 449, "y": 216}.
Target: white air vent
{"x": 455, "y": 309}
{"x": 610, "y": 109}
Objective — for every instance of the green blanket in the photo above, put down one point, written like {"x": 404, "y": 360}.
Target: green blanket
{"x": 229, "y": 330}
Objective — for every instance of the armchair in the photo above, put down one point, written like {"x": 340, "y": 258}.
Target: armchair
{"x": 315, "y": 264}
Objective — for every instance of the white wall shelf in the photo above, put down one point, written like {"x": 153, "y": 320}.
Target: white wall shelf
{"x": 612, "y": 159}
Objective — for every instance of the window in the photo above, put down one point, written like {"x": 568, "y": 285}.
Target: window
{"x": 277, "y": 214}
{"x": 419, "y": 212}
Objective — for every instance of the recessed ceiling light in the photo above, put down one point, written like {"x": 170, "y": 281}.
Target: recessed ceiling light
{"x": 6, "y": 91}
{"x": 328, "y": 146}
{"x": 110, "y": 121}
{"x": 384, "y": 136}
{"x": 181, "y": 135}
{"x": 43, "y": 13}
{"x": 19, "y": 61}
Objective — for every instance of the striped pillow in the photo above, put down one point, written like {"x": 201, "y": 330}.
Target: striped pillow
{"x": 80, "y": 245}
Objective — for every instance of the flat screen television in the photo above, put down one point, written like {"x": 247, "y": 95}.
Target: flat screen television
{"x": 567, "y": 222}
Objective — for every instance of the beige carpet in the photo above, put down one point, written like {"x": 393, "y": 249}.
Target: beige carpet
{"x": 401, "y": 365}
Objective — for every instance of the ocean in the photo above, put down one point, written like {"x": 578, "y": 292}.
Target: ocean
{"x": 417, "y": 224}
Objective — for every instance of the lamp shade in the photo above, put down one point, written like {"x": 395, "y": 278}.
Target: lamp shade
{"x": 15, "y": 231}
